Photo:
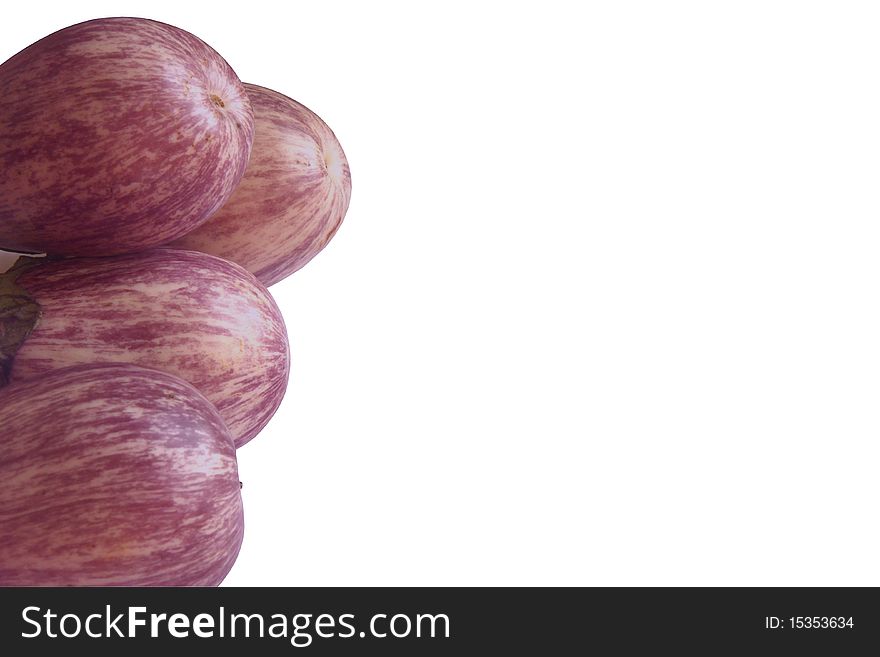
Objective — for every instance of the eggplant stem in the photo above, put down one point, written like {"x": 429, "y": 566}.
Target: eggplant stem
{"x": 19, "y": 315}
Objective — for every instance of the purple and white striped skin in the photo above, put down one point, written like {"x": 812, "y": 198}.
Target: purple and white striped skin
{"x": 116, "y": 135}
{"x": 115, "y": 475}
{"x": 293, "y": 196}
{"x": 193, "y": 315}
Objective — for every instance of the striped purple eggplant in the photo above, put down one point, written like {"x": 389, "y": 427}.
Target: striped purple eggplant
{"x": 116, "y": 135}
{"x": 193, "y": 315}
{"x": 115, "y": 475}
{"x": 293, "y": 196}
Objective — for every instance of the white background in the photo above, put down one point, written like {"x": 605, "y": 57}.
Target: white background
{"x": 604, "y": 309}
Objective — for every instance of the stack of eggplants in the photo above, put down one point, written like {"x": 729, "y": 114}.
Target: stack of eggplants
{"x": 141, "y": 347}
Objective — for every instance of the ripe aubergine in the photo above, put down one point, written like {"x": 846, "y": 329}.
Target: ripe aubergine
{"x": 193, "y": 315}
{"x": 115, "y": 475}
{"x": 292, "y": 199}
{"x": 116, "y": 135}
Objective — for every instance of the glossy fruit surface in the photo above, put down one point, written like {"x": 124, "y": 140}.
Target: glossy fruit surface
{"x": 115, "y": 475}
{"x": 117, "y": 134}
